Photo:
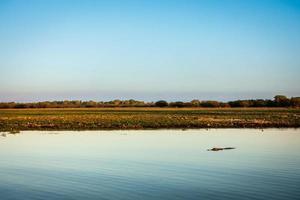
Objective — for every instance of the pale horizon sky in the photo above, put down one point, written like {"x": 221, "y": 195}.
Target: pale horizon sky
{"x": 149, "y": 50}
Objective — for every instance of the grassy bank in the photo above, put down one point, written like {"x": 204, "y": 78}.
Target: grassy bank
{"x": 146, "y": 118}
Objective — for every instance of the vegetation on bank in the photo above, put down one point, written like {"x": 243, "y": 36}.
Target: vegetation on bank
{"x": 278, "y": 101}
{"x": 146, "y": 118}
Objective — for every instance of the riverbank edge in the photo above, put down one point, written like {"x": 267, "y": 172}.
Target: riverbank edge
{"x": 16, "y": 131}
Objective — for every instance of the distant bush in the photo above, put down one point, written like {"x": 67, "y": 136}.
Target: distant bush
{"x": 210, "y": 104}
{"x": 295, "y": 101}
{"x": 161, "y": 103}
{"x": 278, "y": 101}
{"x": 195, "y": 103}
{"x": 224, "y": 105}
{"x": 21, "y": 105}
{"x": 259, "y": 103}
{"x": 281, "y": 101}
{"x": 241, "y": 103}
{"x": 177, "y": 104}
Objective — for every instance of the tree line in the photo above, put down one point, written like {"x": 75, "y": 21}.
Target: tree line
{"x": 278, "y": 101}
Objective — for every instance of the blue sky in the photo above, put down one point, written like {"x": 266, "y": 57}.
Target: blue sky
{"x": 149, "y": 50}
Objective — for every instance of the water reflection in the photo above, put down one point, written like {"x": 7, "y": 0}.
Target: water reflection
{"x": 156, "y": 164}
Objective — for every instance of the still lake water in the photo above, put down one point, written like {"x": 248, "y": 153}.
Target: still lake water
{"x": 151, "y": 164}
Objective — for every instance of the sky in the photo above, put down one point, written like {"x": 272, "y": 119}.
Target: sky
{"x": 149, "y": 50}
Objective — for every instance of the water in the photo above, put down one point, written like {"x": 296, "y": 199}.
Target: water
{"x": 158, "y": 164}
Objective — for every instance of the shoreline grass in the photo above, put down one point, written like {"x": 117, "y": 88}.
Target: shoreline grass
{"x": 146, "y": 118}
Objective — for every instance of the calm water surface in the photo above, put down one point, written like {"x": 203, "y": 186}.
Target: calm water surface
{"x": 158, "y": 164}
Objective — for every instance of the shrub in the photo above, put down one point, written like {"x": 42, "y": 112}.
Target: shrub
{"x": 295, "y": 101}
{"x": 211, "y": 104}
{"x": 177, "y": 104}
{"x": 281, "y": 101}
{"x": 161, "y": 103}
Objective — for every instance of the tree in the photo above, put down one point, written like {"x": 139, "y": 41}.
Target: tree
{"x": 240, "y": 103}
{"x": 21, "y": 105}
{"x": 116, "y": 102}
{"x": 258, "y": 103}
{"x": 195, "y": 103}
{"x": 211, "y": 104}
{"x": 295, "y": 101}
{"x": 224, "y": 105}
{"x": 177, "y": 104}
{"x": 161, "y": 103}
{"x": 281, "y": 101}
{"x": 90, "y": 104}
{"x": 244, "y": 103}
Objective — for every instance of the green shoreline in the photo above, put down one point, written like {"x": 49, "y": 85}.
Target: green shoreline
{"x": 146, "y": 118}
